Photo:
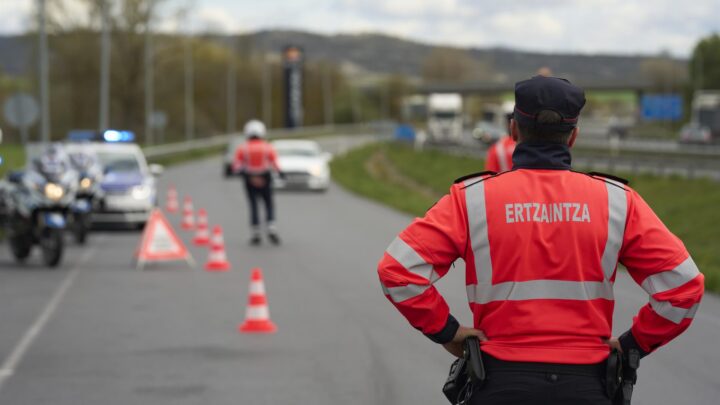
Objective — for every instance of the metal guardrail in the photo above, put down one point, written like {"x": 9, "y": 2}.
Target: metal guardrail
{"x": 657, "y": 157}
{"x": 221, "y": 140}
{"x": 650, "y": 147}
{"x": 646, "y": 163}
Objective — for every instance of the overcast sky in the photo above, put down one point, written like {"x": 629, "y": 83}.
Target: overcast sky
{"x": 589, "y": 26}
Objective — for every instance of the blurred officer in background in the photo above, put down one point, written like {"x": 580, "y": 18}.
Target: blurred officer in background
{"x": 541, "y": 244}
{"x": 498, "y": 158}
{"x": 255, "y": 160}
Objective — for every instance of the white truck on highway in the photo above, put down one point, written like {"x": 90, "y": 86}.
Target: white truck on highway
{"x": 445, "y": 117}
{"x": 704, "y": 125}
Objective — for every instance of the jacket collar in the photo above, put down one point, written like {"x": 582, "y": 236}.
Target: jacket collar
{"x": 541, "y": 155}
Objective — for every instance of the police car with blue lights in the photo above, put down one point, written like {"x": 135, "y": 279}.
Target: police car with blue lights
{"x": 128, "y": 186}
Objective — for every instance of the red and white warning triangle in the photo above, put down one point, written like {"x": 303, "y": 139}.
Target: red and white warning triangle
{"x": 160, "y": 243}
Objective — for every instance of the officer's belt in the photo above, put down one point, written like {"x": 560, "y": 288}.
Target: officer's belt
{"x": 493, "y": 364}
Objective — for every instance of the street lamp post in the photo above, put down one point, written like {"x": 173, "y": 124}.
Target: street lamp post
{"x": 189, "y": 89}
{"x": 231, "y": 85}
{"x": 327, "y": 94}
{"x": 149, "y": 78}
{"x": 105, "y": 44}
{"x": 43, "y": 72}
{"x": 267, "y": 91}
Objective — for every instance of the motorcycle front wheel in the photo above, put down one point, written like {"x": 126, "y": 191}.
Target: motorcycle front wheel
{"x": 20, "y": 246}
{"x": 51, "y": 244}
{"x": 80, "y": 229}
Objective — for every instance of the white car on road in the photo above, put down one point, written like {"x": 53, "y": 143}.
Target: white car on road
{"x": 129, "y": 185}
{"x": 304, "y": 165}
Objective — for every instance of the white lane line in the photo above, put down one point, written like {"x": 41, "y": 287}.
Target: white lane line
{"x": 13, "y": 360}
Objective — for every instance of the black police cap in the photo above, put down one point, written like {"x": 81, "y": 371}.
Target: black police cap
{"x": 548, "y": 93}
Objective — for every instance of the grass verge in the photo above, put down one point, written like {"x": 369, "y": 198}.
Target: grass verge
{"x": 404, "y": 176}
{"x": 13, "y": 157}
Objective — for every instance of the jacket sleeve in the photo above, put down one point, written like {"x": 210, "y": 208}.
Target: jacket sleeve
{"x": 238, "y": 160}
{"x": 491, "y": 159}
{"x": 417, "y": 258}
{"x": 658, "y": 261}
{"x": 272, "y": 155}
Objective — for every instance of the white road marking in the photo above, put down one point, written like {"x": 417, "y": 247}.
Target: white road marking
{"x": 8, "y": 366}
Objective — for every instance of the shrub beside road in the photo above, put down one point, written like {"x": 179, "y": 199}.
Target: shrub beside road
{"x": 13, "y": 157}
{"x": 412, "y": 181}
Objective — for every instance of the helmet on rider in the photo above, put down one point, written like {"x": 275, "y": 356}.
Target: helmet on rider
{"x": 254, "y": 129}
{"x": 52, "y": 161}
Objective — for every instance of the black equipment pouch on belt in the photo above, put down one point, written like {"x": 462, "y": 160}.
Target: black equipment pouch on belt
{"x": 622, "y": 376}
{"x": 466, "y": 374}
{"x": 456, "y": 381}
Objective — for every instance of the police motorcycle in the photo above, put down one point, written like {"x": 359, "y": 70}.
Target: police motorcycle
{"x": 89, "y": 193}
{"x": 37, "y": 203}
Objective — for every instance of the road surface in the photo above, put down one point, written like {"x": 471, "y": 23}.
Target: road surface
{"x": 99, "y": 332}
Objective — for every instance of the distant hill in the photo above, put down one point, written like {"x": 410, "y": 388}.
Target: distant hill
{"x": 378, "y": 53}
{"x": 386, "y": 54}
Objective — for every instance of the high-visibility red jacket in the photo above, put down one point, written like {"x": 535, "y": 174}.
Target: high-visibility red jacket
{"x": 541, "y": 245}
{"x": 498, "y": 158}
{"x": 255, "y": 156}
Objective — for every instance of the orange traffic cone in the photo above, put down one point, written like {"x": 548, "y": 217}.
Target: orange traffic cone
{"x": 202, "y": 235}
{"x": 172, "y": 205}
{"x": 188, "y": 221}
{"x": 257, "y": 314}
{"x": 217, "y": 259}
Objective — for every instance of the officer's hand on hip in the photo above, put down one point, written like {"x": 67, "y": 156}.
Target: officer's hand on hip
{"x": 614, "y": 343}
{"x": 455, "y": 346}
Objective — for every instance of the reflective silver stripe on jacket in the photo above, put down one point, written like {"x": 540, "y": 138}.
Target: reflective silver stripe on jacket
{"x": 414, "y": 263}
{"x": 667, "y": 280}
{"x": 477, "y": 229}
{"x": 484, "y": 291}
{"x": 617, "y": 215}
{"x": 673, "y": 314}
{"x": 541, "y": 289}
{"x": 402, "y": 293}
{"x": 411, "y": 260}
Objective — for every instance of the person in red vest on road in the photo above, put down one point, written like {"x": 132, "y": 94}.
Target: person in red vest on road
{"x": 541, "y": 245}
{"x": 498, "y": 158}
{"x": 256, "y": 160}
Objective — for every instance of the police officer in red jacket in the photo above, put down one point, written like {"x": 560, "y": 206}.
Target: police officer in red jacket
{"x": 256, "y": 160}
{"x": 541, "y": 244}
{"x": 499, "y": 155}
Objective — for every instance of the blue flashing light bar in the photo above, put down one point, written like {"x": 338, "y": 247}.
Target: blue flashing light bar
{"x": 113, "y": 135}
{"x": 110, "y": 135}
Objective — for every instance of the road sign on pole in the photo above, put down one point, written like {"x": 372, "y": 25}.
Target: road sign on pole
{"x": 661, "y": 107}
{"x": 293, "y": 72}
{"x": 21, "y": 111}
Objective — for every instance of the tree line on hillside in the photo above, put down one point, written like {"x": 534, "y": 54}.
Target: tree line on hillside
{"x": 74, "y": 47}
{"x": 332, "y": 92}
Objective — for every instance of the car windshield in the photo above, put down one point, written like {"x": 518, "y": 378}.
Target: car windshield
{"x": 292, "y": 150}
{"x": 119, "y": 162}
